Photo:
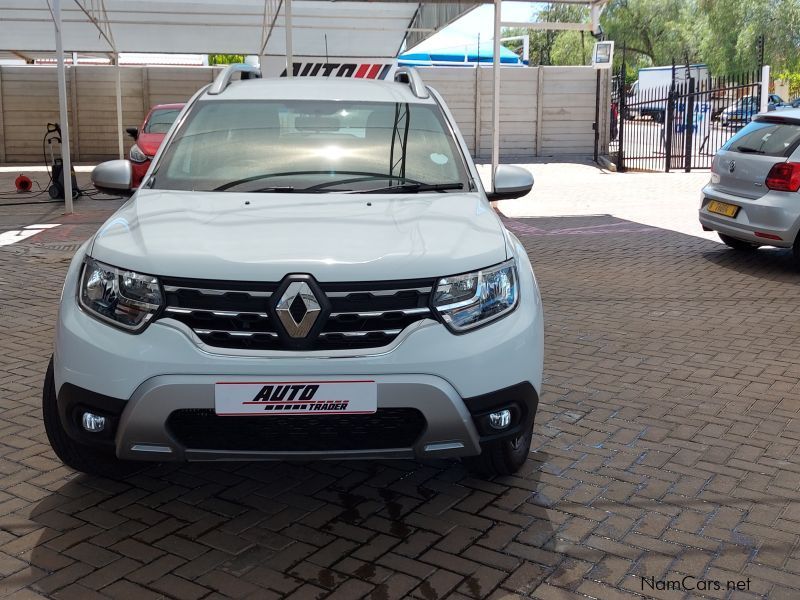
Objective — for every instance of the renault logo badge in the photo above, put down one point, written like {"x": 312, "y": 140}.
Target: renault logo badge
{"x": 298, "y": 309}
{"x": 732, "y": 166}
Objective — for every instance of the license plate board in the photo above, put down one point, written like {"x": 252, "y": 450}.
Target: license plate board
{"x": 723, "y": 208}
{"x": 281, "y": 396}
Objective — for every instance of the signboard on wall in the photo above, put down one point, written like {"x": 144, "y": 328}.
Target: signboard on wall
{"x": 603, "y": 55}
{"x": 334, "y": 66}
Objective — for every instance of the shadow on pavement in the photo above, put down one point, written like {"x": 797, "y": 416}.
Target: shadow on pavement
{"x": 283, "y": 526}
{"x": 768, "y": 262}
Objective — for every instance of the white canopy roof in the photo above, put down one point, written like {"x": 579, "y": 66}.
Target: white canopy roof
{"x": 374, "y": 29}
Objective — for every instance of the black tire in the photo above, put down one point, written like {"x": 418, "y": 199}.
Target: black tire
{"x": 796, "y": 252}
{"x": 504, "y": 457}
{"x": 79, "y": 457}
{"x": 737, "y": 244}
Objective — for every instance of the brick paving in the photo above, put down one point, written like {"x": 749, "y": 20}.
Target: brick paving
{"x": 667, "y": 445}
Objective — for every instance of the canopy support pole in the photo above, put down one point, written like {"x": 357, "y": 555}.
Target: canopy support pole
{"x": 287, "y": 12}
{"x": 62, "y": 108}
{"x": 495, "y": 91}
{"x": 120, "y": 143}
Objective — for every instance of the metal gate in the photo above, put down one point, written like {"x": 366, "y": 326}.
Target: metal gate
{"x": 681, "y": 126}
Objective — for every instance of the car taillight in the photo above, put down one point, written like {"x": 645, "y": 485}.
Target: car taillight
{"x": 784, "y": 177}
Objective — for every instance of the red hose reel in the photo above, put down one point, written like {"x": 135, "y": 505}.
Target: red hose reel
{"x": 23, "y": 183}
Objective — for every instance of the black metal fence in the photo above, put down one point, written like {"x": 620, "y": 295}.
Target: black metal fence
{"x": 682, "y": 125}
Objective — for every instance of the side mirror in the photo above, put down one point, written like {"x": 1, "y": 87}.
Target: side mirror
{"x": 510, "y": 182}
{"x": 133, "y": 132}
{"x": 113, "y": 177}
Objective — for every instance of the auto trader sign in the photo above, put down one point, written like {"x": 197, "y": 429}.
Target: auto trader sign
{"x": 334, "y": 66}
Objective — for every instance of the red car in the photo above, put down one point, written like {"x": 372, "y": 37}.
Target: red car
{"x": 149, "y": 137}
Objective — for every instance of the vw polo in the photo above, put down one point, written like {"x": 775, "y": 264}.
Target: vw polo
{"x": 299, "y": 278}
{"x": 752, "y": 198}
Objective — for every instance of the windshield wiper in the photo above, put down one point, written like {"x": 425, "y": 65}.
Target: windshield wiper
{"x": 360, "y": 175}
{"x": 363, "y": 177}
{"x": 749, "y": 150}
{"x": 286, "y": 189}
{"x": 412, "y": 188}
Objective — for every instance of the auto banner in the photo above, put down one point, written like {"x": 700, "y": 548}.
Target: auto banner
{"x": 319, "y": 66}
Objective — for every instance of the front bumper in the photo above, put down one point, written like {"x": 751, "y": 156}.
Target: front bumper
{"x": 773, "y": 214}
{"x": 141, "y": 428}
{"x": 452, "y": 380}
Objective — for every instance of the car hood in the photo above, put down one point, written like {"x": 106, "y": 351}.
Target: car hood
{"x": 149, "y": 142}
{"x": 334, "y": 237}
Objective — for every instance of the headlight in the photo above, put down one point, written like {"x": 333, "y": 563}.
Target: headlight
{"x": 474, "y": 299}
{"x": 136, "y": 155}
{"x": 123, "y": 298}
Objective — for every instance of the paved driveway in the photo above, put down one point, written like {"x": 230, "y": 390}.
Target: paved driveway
{"x": 664, "y": 200}
{"x": 666, "y": 446}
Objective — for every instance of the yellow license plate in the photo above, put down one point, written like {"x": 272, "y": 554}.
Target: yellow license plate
{"x": 723, "y": 208}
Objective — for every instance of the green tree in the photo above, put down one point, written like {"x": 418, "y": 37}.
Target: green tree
{"x": 573, "y": 48}
{"x": 225, "y": 59}
{"x": 721, "y": 33}
{"x": 732, "y": 28}
{"x": 547, "y": 46}
{"x": 654, "y": 32}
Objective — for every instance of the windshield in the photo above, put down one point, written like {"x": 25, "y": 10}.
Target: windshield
{"x": 319, "y": 146}
{"x": 161, "y": 120}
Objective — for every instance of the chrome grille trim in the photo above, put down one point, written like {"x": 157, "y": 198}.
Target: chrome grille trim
{"x": 358, "y": 334}
{"x": 241, "y": 334}
{"x": 217, "y": 313}
{"x": 240, "y": 314}
{"x": 420, "y": 290}
{"x": 381, "y": 313}
{"x": 214, "y": 292}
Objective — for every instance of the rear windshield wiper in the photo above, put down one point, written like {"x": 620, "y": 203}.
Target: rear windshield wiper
{"x": 749, "y": 150}
{"x": 412, "y": 188}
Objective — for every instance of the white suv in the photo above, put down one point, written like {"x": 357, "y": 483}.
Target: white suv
{"x": 310, "y": 269}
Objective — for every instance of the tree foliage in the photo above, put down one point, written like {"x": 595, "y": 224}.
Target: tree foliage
{"x": 722, "y": 33}
{"x": 658, "y": 31}
{"x": 549, "y": 47}
{"x": 225, "y": 59}
{"x": 732, "y": 27}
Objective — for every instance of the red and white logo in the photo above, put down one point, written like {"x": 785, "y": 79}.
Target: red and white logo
{"x": 354, "y": 68}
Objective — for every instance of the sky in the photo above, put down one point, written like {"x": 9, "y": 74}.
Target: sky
{"x": 477, "y": 22}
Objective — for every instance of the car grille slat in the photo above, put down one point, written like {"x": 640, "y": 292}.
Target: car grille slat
{"x": 238, "y": 315}
{"x": 378, "y": 293}
{"x": 214, "y": 292}
{"x": 202, "y": 429}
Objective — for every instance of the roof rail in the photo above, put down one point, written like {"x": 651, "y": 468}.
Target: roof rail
{"x": 224, "y": 79}
{"x": 411, "y": 76}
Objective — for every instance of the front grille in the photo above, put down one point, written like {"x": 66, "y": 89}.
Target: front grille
{"x": 240, "y": 314}
{"x": 202, "y": 429}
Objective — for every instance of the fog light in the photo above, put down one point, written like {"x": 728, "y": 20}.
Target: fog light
{"x": 500, "y": 419}
{"x": 92, "y": 422}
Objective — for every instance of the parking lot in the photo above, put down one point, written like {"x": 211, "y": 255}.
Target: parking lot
{"x": 664, "y": 461}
